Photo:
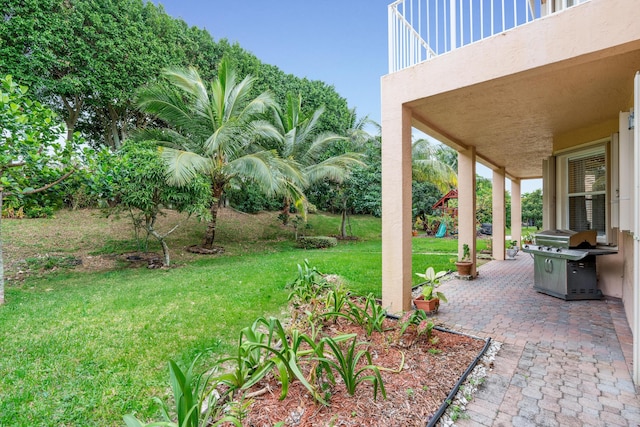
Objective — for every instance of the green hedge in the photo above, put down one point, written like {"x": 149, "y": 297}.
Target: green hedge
{"x": 317, "y": 242}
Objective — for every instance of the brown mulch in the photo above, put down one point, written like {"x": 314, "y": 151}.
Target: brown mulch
{"x": 415, "y": 388}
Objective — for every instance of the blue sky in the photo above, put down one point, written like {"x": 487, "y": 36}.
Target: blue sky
{"x": 341, "y": 42}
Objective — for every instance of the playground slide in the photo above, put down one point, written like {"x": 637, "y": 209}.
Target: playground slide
{"x": 442, "y": 230}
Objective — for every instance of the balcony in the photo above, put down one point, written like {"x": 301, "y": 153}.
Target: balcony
{"x": 423, "y": 29}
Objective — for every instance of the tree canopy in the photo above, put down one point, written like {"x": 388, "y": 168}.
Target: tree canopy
{"x": 86, "y": 58}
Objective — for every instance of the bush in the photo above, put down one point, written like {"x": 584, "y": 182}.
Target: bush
{"x": 317, "y": 242}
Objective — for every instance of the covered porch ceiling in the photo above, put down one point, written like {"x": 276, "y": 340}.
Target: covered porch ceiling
{"x": 513, "y": 120}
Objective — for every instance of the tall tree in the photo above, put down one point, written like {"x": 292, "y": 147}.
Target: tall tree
{"x": 306, "y": 150}
{"x": 29, "y": 149}
{"x": 212, "y": 131}
{"x": 532, "y": 208}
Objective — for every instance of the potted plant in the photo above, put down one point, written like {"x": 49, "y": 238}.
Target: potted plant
{"x": 430, "y": 298}
{"x": 465, "y": 264}
{"x": 512, "y": 249}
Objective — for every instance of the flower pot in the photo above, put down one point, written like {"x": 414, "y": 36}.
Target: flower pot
{"x": 427, "y": 305}
{"x": 414, "y": 233}
{"x": 464, "y": 268}
{"x": 511, "y": 253}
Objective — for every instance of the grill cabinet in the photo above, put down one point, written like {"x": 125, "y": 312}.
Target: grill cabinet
{"x": 565, "y": 264}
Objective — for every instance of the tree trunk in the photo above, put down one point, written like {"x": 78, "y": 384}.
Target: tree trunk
{"x": 343, "y": 222}
{"x": 285, "y": 211}
{"x": 73, "y": 114}
{"x": 210, "y": 234}
{"x": 1, "y": 254}
{"x": 113, "y": 126}
{"x": 165, "y": 248}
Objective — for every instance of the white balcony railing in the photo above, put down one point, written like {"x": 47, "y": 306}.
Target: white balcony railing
{"x": 422, "y": 29}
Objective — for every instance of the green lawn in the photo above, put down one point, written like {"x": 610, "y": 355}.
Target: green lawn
{"x": 82, "y": 349}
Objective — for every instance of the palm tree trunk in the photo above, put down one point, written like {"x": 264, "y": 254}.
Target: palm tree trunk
{"x": 285, "y": 211}
{"x": 210, "y": 234}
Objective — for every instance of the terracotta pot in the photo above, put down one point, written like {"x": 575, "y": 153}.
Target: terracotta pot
{"x": 464, "y": 268}
{"x": 414, "y": 233}
{"x": 429, "y": 305}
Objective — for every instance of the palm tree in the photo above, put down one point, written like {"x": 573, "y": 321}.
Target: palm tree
{"x": 427, "y": 166}
{"x": 305, "y": 150}
{"x": 212, "y": 131}
{"x": 357, "y": 140}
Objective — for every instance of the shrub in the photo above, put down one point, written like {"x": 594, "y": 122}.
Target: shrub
{"x": 317, "y": 242}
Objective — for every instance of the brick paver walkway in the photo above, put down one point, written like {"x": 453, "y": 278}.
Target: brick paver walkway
{"x": 562, "y": 363}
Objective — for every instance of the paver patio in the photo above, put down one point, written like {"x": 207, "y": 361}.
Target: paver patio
{"x": 562, "y": 363}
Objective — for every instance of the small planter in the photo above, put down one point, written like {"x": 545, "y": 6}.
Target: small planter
{"x": 464, "y": 268}
{"x": 431, "y": 305}
{"x": 511, "y": 253}
{"x": 414, "y": 233}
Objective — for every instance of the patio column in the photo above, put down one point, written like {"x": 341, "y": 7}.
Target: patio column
{"x": 467, "y": 203}
{"x": 396, "y": 208}
{"x": 498, "y": 213}
{"x": 516, "y": 211}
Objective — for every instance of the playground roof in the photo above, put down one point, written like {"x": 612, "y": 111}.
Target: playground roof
{"x": 443, "y": 203}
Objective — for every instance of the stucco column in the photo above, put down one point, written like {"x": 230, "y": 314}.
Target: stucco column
{"x": 498, "y": 213}
{"x": 516, "y": 211}
{"x": 396, "y": 208}
{"x": 467, "y": 203}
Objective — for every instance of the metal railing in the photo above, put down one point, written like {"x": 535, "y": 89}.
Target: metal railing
{"x": 422, "y": 29}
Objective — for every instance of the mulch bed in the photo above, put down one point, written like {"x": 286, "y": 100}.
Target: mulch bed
{"x": 416, "y": 388}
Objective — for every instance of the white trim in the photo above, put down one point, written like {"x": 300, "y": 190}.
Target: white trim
{"x": 636, "y": 241}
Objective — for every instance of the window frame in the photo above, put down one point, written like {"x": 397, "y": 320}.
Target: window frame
{"x": 562, "y": 184}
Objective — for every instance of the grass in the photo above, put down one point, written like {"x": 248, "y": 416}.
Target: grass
{"x": 82, "y": 348}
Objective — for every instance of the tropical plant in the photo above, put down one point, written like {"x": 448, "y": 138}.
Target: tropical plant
{"x": 347, "y": 364}
{"x": 305, "y": 150}
{"x": 370, "y": 315}
{"x": 196, "y": 403}
{"x": 308, "y": 285}
{"x": 466, "y": 253}
{"x": 432, "y": 280}
{"x": 427, "y": 167}
{"x": 212, "y": 131}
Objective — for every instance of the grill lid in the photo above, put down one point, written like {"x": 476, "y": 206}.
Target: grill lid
{"x": 567, "y": 238}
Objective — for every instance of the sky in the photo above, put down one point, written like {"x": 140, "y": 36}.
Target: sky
{"x": 341, "y": 42}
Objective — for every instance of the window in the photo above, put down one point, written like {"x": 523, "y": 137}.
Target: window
{"x": 582, "y": 190}
{"x": 587, "y": 195}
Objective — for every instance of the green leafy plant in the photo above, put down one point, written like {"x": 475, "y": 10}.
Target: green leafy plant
{"x": 335, "y": 300}
{"x": 347, "y": 363}
{"x": 432, "y": 280}
{"x": 466, "y": 253}
{"x": 275, "y": 349}
{"x": 195, "y": 402}
{"x": 308, "y": 285}
{"x": 316, "y": 242}
{"x": 371, "y": 315}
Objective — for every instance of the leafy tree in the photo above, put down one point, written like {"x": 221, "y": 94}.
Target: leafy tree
{"x": 30, "y": 150}
{"x": 484, "y": 200}
{"x": 424, "y": 196}
{"x": 304, "y": 149}
{"x": 141, "y": 186}
{"x": 532, "y": 208}
{"x": 213, "y": 132}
